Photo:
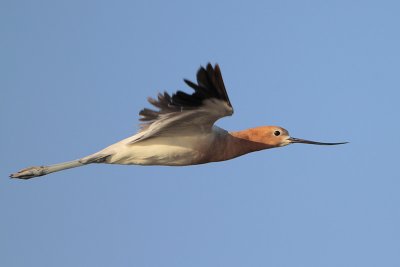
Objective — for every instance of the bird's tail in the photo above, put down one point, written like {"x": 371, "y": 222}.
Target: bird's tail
{"x": 37, "y": 171}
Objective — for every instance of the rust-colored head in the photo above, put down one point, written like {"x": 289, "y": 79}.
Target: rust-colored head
{"x": 275, "y": 136}
{"x": 272, "y": 136}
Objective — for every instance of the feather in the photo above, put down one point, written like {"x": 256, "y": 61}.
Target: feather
{"x": 187, "y": 112}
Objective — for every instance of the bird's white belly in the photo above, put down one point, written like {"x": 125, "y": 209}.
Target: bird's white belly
{"x": 176, "y": 151}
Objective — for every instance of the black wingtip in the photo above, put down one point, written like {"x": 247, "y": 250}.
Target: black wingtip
{"x": 209, "y": 85}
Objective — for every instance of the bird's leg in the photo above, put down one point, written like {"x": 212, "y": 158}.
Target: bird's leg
{"x": 36, "y": 171}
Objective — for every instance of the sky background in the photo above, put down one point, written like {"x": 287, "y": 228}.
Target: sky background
{"x": 74, "y": 75}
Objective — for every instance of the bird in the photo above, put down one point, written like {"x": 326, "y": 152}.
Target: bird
{"x": 180, "y": 131}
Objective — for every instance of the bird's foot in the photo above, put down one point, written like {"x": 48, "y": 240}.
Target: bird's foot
{"x": 30, "y": 172}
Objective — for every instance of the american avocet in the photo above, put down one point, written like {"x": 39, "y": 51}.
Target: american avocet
{"x": 182, "y": 132}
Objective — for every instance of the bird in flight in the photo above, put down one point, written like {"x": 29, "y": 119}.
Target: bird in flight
{"x": 181, "y": 132}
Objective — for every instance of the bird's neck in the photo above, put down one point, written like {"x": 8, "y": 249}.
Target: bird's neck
{"x": 243, "y": 142}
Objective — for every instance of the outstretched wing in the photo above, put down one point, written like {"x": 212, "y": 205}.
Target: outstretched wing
{"x": 184, "y": 113}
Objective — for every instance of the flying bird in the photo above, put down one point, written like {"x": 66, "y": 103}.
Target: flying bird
{"x": 181, "y": 131}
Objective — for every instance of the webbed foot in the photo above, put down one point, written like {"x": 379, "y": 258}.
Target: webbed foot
{"x": 30, "y": 172}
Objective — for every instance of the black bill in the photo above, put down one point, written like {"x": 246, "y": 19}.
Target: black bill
{"x": 303, "y": 141}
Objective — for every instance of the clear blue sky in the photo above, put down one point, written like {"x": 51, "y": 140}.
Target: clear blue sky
{"x": 74, "y": 75}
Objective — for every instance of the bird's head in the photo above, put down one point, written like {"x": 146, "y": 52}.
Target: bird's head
{"x": 275, "y": 136}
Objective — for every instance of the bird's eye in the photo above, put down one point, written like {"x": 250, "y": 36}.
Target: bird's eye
{"x": 277, "y": 133}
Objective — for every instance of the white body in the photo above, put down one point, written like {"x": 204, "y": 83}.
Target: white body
{"x": 187, "y": 149}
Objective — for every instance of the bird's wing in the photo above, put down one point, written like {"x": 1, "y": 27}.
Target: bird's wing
{"x": 184, "y": 113}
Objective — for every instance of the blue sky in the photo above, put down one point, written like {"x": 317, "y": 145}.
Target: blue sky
{"x": 76, "y": 73}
